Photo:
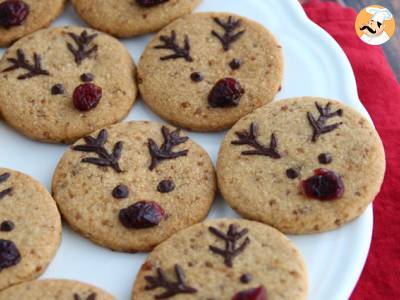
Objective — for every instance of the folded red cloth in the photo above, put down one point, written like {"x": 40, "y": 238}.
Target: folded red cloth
{"x": 379, "y": 91}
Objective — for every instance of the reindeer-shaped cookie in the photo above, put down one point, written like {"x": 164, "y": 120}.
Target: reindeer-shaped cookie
{"x": 30, "y": 228}
{"x": 130, "y": 186}
{"x": 205, "y": 71}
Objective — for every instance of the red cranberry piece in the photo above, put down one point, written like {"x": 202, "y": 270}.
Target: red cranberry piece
{"x": 87, "y": 96}
{"x": 226, "y": 92}
{"x": 259, "y": 293}
{"x": 324, "y": 185}
{"x": 149, "y": 3}
{"x": 13, "y": 13}
{"x": 9, "y": 254}
{"x": 143, "y": 214}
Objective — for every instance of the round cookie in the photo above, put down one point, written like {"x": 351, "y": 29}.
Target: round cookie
{"x": 33, "y": 15}
{"x": 205, "y": 71}
{"x": 30, "y": 228}
{"x": 132, "y": 185}
{"x": 301, "y": 165}
{"x": 54, "y": 290}
{"x": 224, "y": 259}
{"x": 60, "y": 84}
{"x": 127, "y": 18}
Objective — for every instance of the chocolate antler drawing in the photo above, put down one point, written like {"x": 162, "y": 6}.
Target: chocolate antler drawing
{"x": 83, "y": 48}
{"x": 92, "y": 296}
{"x": 231, "y": 238}
{"x": 3, "y": 178}
{"x": 96, "y": 145}
{"x": 229, "y": 27}
{"x": 171, "y": 139}
{"x": 171, "y": 43}
{"x": 319, "y": 126}
{"x": 20, "y": 62}
{"x": 250, "y": 138}
{"x": 172, "y": 288}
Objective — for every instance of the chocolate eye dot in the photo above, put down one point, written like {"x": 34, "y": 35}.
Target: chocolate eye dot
{"x": 7, "y": 226}
{"x": 57, "y": 89}
{"x": 87, "y": 77}
{"x": 166, "y": 186}
{"x": 246, "y": 278}
{"x": 196, "y": 77}
{"x": 120, "y": 192}
{"x": 325, "y": 158}
{"x": 292, "y": 173}
{"x": 235, "y": 64}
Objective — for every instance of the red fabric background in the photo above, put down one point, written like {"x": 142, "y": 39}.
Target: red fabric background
{"x": 379, "y": 91}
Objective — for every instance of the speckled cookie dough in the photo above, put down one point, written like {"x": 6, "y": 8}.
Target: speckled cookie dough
{"x": 59, "y": 84}
{"x": 52, "y": 289}
{"x": 30, "y": 228}
{"x": 205, "y": 71}
{"x": 131, "y": 186}
{"x": 224, "y": 259}
{"x": 127, "y": 18}
{"x": 302, "y": 165}
{"x": 21, "y": 17}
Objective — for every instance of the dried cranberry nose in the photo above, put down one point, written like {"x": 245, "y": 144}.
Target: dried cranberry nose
{"x": 87, "y": 96}
{"x": 149, "y": 3}
{"x": 259, "y": 293}
{"x": 226, "y": 92}
{"x": 13, "y": 13}
{"x": 143, "y": 214}
{"x": 9, "y": 254}
{"x": 324, "y": 185}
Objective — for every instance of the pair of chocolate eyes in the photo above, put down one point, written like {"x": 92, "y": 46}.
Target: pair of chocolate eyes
{"x": 235, "y": 64}
{"x": 58, "y": 89}
{"x": 323, "y": 158}
{"x": 122, "y": 191}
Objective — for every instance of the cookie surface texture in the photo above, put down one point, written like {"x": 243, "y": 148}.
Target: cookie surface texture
{"x": 60, "y": 84}
{"x": 54, "y": 290}
{"x": 127, "y": 18}
{"x": 301, "y": 165}
{"x": 30, "y": 228}
{"x": 224, "y": 259}
{"x": 132, "y": 185}
{"x": 205, "y": 71}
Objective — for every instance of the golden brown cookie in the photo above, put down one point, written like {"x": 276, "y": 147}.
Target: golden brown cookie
{"x": 21, "y": 17}
{"x": 224, "y": 259}
{"x": 30, "y": 228}
{"x": 301, "y": 165}
{"x": 59, "y": 84}
{"x": 131, "y": 186}
{"x": 205, "y": 71}
{"x": 127, "y": 18}
{"x": 54, "y": 290}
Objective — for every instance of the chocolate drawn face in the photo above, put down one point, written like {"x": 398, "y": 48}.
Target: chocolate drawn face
{"x": 144, "y": 213}
{"x": 226, "y": 91}
{"x": 324, "y": 184}
{"x": 85, "y": 96}
{"x": 9, "y": 253}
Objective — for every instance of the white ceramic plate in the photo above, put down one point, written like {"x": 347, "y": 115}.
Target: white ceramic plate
{"x": 315, "y": 65}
